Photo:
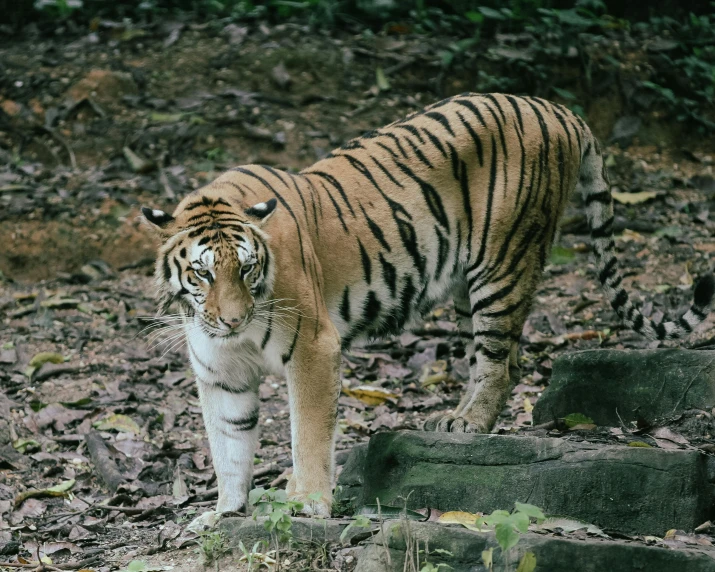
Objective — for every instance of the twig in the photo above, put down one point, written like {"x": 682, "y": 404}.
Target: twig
{"x": 64, "y": 143}
{"x": 103, "y": 463}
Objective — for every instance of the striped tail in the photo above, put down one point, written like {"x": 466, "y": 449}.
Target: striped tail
{"x": 594, "y": 187}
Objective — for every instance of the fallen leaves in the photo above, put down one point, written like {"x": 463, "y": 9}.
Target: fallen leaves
{"x": 118, "y": 422}
{"x": 371, "y": 395}
{"x": 633, "y": 198}
{"x": 60, "y": 490}
{"x": 466, "y": 519}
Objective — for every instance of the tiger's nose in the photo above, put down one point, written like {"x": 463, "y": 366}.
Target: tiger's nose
{"x": 232, "y": 323}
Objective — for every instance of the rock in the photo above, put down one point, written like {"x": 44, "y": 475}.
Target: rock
{"x": 614, "y": 386}
{"x": 348, "y": 492}
{"x": 552, "y": 554}
{"x": 313, "y": 530}
{"x": 235, "y": 34}
{"x": 103, "y": 86}
{"x": 602, "y": 485}
{"x": 625, "y": 129}
{"x": 281, "y": 77}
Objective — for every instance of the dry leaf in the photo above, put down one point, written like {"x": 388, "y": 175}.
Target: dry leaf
{"x": 633, "y": 198}
{"x": 370, "y": 395}
{"x": 466, "y": 519}
{"x": 118, "y": 422}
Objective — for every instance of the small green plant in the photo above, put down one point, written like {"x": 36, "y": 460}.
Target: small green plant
{"x": 278, "y": 510}
{"x": 360, "y": 521}
{"x": 254, "y": 558}
{"x": 274, "y": 505}
{"x": 508, "y": 527}
{"x": 212, "y": 545}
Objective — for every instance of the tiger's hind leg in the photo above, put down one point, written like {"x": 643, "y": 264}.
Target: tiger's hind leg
{"x": 498, "y": 309}
{"x": 442, "y": 421}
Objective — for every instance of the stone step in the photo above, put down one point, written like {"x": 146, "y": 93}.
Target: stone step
{"x": 464, "y": 547}
{"x": 614, "y": 386}
{"x": 630, "y": 490}
{"x": 552, "y": 554}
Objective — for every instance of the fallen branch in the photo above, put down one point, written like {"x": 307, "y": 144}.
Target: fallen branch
{"x": 103, "y": 463}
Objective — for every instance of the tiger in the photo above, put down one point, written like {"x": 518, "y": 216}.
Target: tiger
{"x": 279, "y": 272}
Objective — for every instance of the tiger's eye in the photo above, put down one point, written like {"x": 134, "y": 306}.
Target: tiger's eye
{"x": 203, "y": 273}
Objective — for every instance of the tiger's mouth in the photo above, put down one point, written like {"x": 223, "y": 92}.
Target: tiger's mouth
{"x": 214, "y": 331}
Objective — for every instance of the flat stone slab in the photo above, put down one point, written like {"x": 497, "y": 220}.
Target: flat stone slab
{"x": 552, "y": 554}
{"x": 637, "y": 385}
{"x": 631, "y": 490}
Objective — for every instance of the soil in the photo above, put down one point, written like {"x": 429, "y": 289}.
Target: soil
{"x": 93, "y": 126}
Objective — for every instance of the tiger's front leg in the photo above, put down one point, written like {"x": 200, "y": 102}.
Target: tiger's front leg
{"x": 313, "y": 389}
{"x": 227, "y": 380}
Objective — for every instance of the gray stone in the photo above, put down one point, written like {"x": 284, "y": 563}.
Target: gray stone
{"x": 552, "y": 554}
{"x": 318, "y": 530}
{"x": 626, "y": 489}
{"x": 348, "y": 492}
{"x": 637, "y": 385}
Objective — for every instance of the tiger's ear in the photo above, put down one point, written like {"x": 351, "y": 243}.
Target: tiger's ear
{"x": 262, "y": 211}
{"x": 158, "y": 221}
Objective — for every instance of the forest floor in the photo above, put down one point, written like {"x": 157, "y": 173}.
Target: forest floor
{"x": 93, "y": 126}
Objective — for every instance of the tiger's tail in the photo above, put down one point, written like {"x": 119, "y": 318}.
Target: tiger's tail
{"x": 595, "y": 190}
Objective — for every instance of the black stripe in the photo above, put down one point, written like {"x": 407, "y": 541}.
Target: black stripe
{"x": 608, "y": 270}
{"x": 286, "y": 357}
{"x": 488, "y": 212}
{"x": 498, "y": 295}
{"x": 419, "y": 153}
{"x": 230, "y": 388}
{"x": 473, "y": 108}
{"x": 660, "y": 331}
{"x": 366, "y": 262}
{"x": 386, "y": 148}
{"x": 396, "y": 139}
{"x": 493, "y": 99}
{"x": 387, "y": 173}
{"x": 412, "y": 129}
{"x": 337, "y": 208}
{"x": 441, "y": 119}
{"x": 376, "y": 230}
{"x": 684, "y": 324}
{"x": 604, "y": 230}
{"x": 600, "y": 197}
{"x": 345, "y": 305}
{"x": 620, "y": 299}
{"x": 269, "y": 328}
{"x": 434, "y": 201}
{"x": 512, "y": 101}
{"x": 503, "y": 312}
{"x": 235, "y": 186}
{"x": 389, "y": 274}
{"x": 335, "y": 183}
{"x": 435, "y": 141}
{"x": 166, "y": 268}
{"x": 475, "y": 138}
{"x": 698, "y": 313}
{"x": 244, "y": 423}
{"x": 498, "y": 334}
{"x": 442, "y": 253}
{"x": 638, "y": 323}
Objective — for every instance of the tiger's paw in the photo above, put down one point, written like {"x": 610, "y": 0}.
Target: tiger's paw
{"x": 204, "y": 522}
{"x": 447, "y": 423}
{"x": 314, "y": 504}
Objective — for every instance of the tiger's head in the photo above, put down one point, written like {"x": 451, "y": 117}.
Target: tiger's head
{"x": 213, "y": 261}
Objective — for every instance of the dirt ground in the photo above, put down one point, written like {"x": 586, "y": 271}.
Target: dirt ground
{"x": 92, "y": 126}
